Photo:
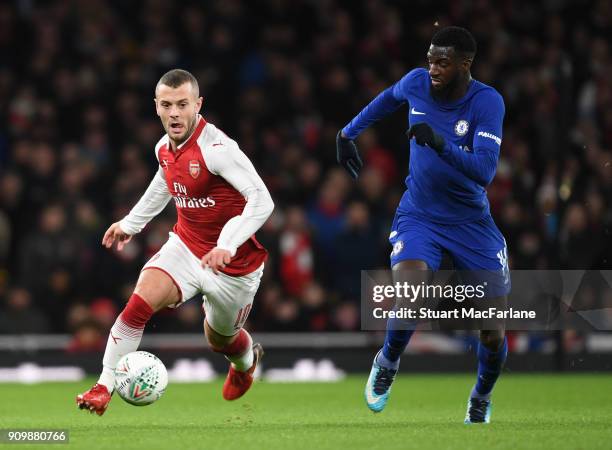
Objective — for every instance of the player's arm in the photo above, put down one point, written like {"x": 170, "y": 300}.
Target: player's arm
{"x": 229, "y": 162}
{"x": 479, "y": 165}
{"x": 385, "y": 103}
{"x": 153, "y": 201}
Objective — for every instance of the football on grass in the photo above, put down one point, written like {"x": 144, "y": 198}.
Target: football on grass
{"x": 140, "y": 378}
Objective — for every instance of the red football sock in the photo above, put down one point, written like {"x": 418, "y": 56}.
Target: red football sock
{"x": 239, "y": 352}
{"x": 238, "y": 346}
{"x": 136, "y": 313}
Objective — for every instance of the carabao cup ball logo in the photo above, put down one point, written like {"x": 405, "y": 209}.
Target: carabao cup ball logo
{"x": 462, "y": 127}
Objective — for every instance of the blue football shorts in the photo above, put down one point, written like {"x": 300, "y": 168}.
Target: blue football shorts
{"x": 478, "y": 249}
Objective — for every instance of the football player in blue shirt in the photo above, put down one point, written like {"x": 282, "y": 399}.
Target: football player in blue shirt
{"x": 455, "y": 132}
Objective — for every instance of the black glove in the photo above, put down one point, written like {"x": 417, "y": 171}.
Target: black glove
{"x": 425, "y": 135}
{"x": 348, "y": 155}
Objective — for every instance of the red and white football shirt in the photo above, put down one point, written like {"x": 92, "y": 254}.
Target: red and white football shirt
{"x": 220, "y": 199}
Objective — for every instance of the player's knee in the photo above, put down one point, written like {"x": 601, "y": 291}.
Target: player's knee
{"x": 157, "y": 289}
{"x": 216, "y": 341}
{"x": 493, "y": 339}
{"x": 410, "y": 264}
{"x": 228, "y": 345}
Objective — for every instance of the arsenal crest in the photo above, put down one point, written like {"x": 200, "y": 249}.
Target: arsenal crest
{"x": 194, "y": 168}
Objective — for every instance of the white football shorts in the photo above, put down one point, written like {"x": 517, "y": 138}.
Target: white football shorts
{"x": 227, "y": 300}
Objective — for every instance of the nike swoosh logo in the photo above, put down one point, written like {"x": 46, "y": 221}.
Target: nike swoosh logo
{"x": 371, "y": 398}
{"x": 416, "y": 113}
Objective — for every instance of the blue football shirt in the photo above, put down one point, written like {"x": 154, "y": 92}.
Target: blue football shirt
{"x": 449, "y": 187}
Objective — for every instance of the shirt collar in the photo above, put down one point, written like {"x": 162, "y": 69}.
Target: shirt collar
{"x": 201, "y": 123}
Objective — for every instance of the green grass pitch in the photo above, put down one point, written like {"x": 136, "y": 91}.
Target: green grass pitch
{"x": 424, "y": 412}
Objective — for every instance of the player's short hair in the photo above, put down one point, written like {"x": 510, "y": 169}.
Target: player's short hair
{"x": 457, "y": 37}
{"x": 176, "y": 77}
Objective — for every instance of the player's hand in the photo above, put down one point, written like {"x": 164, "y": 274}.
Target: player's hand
{"x": 216, "y": 259}
{"x": 115, "y": 233}
{"x": 348, "y": 155}
{"x": 425, "y": 135}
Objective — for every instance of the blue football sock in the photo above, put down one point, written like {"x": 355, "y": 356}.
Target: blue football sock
{"x": 490, "y": 365}
{"x": 382, "y": 361}
{"x": 398, "y": 335}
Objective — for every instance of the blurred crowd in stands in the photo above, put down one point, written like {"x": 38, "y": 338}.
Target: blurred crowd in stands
{"x": 78, "y": 128}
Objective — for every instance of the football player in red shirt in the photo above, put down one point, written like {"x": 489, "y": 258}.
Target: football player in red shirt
{"x": 221, "y": 202}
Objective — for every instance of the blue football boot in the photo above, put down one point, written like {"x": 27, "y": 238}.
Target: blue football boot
{"x": 378, "y": 387}
{"x": 478, "y": 411}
